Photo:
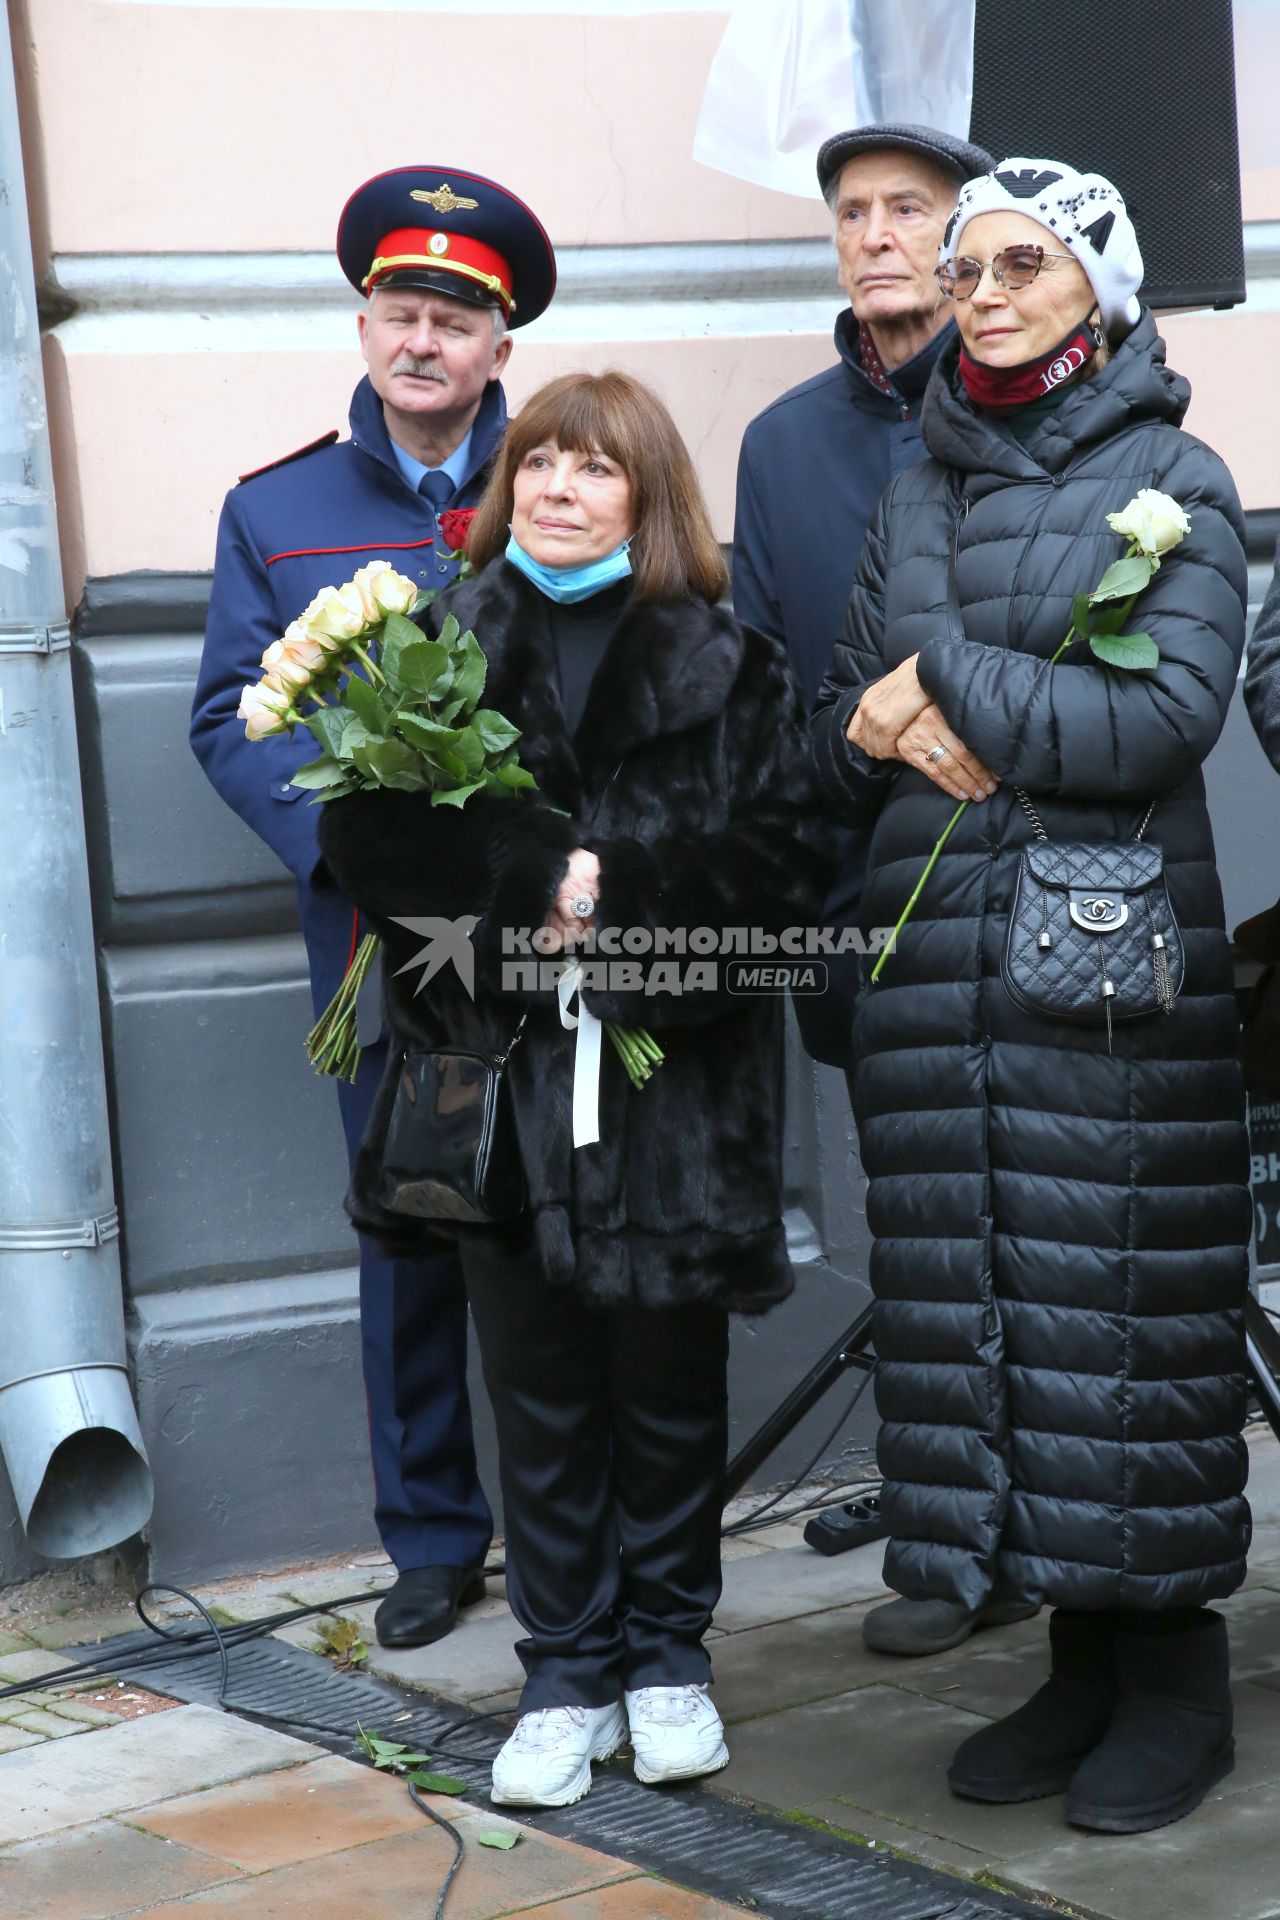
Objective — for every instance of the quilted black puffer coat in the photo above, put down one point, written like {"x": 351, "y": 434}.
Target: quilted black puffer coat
{"x": 1059, "y": 1262}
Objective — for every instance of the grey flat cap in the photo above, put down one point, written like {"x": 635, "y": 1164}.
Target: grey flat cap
{"x": 957, "y": 156}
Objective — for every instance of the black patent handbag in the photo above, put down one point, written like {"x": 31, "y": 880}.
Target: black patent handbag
{"x": 1092, "y": 936}
{"x": 452, "y": 1152}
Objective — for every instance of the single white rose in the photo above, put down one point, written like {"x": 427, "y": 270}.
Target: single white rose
{"x": 1153, "y": 521}
{"x": 335, "y": 614}
{"x": 281, "y": 669}
{"x": 263, "y": 709}
{"x": 393, "y": 593}
{"x": 362, "y": 584}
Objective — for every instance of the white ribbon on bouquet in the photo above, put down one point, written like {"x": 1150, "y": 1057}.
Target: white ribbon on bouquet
{"x": 586, "y": 1055}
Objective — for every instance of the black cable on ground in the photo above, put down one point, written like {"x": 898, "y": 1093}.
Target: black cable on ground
{"x": 195, "y": 1643}
{"x": 750, "y": 1522}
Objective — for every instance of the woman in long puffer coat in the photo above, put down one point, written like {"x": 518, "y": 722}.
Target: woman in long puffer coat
{"x": 1061, "y": 1218}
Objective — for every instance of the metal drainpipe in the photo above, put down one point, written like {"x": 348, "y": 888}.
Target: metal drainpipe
{"x": 68, "y": 1429}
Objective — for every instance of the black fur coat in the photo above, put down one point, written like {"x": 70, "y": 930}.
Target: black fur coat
{"x": 689, "y": 778}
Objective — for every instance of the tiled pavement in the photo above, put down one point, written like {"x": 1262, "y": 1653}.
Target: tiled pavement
{"x": 193, "y": 1813}
{"x": 820, "y": 1730}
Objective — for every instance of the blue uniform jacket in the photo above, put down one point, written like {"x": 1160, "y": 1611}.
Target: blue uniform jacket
{"x": 285, "y": 533}
{"x": 811, "y": 471}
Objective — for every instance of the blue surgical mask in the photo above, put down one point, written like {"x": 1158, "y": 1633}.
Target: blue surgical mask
{"x": 566, "y": 585}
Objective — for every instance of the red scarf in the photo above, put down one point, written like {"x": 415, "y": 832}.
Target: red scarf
{"x": 1002, "y": 389}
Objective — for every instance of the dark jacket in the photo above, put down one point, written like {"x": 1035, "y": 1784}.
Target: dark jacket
{"x": 305, "y": 523}
{"x": 1262, "y": 674}
{"x": 812, "y": 467}
{"x": 689, "y": 778}
{"x": 1059, "y": 1261}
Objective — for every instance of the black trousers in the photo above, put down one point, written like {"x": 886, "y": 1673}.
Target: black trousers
{"x": 612, "y": 1442}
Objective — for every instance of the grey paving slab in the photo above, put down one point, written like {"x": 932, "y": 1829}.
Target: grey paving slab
{"x": 768, "y": 1669}
{"x": 476, "y": 1659}
{"x": 28, "y": 1666}
{"x": 1253, "y": 1629}
{"x": 885, "y": 1751}
{"x": 926, "y": 1847}
{"x": 80, "y": 1629}
{"x": 991, "y": 1674}
{"x": 50, "y": 1726}
{"x": 1257, "y": 1732}
{"x": 768, "y": 1587}
{"x": 133, "y": 1764}
{"x": 1222, "y": 1863}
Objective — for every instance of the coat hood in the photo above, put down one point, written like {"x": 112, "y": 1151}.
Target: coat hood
{"x": 1134, "y": 387}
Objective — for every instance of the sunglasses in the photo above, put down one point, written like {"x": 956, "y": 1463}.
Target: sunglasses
{"x": 1013, "y": 268}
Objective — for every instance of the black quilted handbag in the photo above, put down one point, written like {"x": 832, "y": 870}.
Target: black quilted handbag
{"x": 1092, "y": 937}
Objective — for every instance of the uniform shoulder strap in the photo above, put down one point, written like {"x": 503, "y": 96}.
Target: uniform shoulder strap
{"x": 312, "y": 446}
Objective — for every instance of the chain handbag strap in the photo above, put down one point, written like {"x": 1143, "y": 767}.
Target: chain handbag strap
{"x": 1038, "y": 825}
{"x": 502, "y": 1058}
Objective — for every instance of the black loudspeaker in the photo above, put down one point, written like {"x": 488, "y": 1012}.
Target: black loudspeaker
{"x": 1142, "y": 93}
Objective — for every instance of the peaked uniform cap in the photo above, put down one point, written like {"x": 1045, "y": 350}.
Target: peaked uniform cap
{"x": 448, "y": 231}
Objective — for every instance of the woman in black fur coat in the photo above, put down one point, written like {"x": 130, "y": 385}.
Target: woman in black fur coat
{"x": 673, "y": 794}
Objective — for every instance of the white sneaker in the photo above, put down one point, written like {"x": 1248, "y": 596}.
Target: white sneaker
{"x": 676, "y": 1733}
{"x": 547, "y": 1760}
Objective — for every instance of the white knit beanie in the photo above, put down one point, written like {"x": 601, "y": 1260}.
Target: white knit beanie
{"x": 1086, "y": 213}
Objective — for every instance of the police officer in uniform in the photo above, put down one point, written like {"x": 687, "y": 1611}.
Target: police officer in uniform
{"x": 448, "y": 262}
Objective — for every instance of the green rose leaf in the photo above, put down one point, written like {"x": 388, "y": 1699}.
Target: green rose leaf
{"x": 361, "y": 700}
{"x": 1123, "y": 578}
{"x": 438, "y": 1782}
{"x": 397, "y": 634}
{"x": 450, "y": 711}
{"x": 328, "y": 724}
{"x": 420, "y": 666}
{"x": 455, "y": 796}
{"x": 1135, "y": 652}
{"x": 426, "y": 734}
{"x": 513, "y": 775}
{"x": 469, "y": 748}
{"x": 503, "y": 1841}
{"x": 395, "y": 765}
{"x": 495, "y": 730}
{"x": 325, "y": 772}
{"x": 1081, "y": 614}
{"x": 469, "y": 670}
{"x": 449, "y": 631}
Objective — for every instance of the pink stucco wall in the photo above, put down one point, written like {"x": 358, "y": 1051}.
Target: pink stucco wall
{"x": 209, "y": 129}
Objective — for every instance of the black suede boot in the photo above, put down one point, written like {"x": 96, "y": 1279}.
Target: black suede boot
{"x": 1036, "y": 1750}
{"x": 1170, "y": 1737}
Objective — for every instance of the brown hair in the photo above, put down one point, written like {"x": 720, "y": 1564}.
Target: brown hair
{"x": 674, "y": 555}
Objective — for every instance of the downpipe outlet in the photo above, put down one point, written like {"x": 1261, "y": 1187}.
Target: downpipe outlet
{"x": 68, "y": 1430}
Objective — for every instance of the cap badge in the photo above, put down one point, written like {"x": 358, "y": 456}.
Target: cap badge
{"x": 444, "y": 199}
{"x": 438, "y": 243}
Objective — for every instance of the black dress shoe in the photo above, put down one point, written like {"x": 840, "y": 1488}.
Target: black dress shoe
{"x": 423, "y": 1604}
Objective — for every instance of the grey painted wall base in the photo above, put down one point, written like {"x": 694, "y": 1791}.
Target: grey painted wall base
{"x": 253, "y": 1412}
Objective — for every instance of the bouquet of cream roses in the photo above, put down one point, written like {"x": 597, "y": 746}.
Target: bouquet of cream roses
{"x": 1153, "y": 524}
{"x": 390, "y": 708}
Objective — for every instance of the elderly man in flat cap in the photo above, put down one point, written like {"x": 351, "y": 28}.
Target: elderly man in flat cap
{"x": 811, "y": 470}
{"x": 448, "y": 262}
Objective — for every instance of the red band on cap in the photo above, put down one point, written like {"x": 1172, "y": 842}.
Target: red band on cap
{"x": 442, "y": 253}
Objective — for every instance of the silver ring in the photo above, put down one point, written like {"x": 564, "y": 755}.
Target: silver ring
{"x": 938, "y": 753}
{"x": 583, "y": 906}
